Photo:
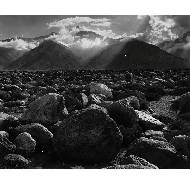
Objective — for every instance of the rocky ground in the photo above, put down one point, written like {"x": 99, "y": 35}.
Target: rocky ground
{"x": 95, "y": 119}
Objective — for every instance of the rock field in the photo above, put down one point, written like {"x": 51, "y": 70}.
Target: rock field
{"x": 136, "y": 119}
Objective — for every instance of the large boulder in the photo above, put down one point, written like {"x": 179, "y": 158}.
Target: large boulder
{"x": 88, "y": 136}
{"x": 40, "y": 133}
{"x": 25, "y": 143}
{"x": 126, "y": 118}
{"x": 46, "y": 109}
{"x": 159, "y": 153}
{"x": 99, "y": 88}
{"x": 147, "y": 122}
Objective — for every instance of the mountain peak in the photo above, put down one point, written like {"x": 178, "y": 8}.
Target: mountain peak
{"x": 134, "y": 54}
{"x": 49, "y": 55}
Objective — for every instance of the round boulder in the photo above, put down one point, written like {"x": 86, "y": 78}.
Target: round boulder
{"x": 15, "y": 161}
{"x": 99, "y": 88}
{"x": 40, "y": 133}
{"x": 25, "y": 143}
{"x": 88, "y": 136}
{"x": 46, "y": 109}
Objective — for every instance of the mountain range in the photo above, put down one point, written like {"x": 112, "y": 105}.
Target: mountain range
{"x": 119, "y": 54}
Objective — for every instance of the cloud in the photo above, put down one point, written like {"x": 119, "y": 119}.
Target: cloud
{"x": 87, "y": 43}
{"x": 158, "y": 28}
{"x": 19, "y": 44}
{"x": 74, "y": 21}
{"x": 68, "y": 27}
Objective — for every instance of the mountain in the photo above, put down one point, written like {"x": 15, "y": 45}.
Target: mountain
{"x": 134, "y": 54}
{"x": 8, "y": 55}
{"x": 49, "y": 55}
{"x": 179, "y": 47}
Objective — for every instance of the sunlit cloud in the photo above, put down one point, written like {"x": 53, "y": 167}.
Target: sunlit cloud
{"x": 158, "y": 28}
{"x": 19, "y": 44}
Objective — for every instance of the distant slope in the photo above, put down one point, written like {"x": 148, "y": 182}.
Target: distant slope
{"x": 134, "y": 54}
{"x": 49, "y": 55}
{"x": 8, "y": 55}
{"x": 179, "y": 47}
{"x": 38, "y": 38}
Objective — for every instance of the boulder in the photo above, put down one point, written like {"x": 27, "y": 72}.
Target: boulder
{"x": 25, "y": 143}
{"x": 147, "y": 122}
{"x": 40, "y": 133}
{"x": 129, "y": 166}
{"x": 182, "y": 104}
{"x": 46, "y": 109}
{"x": 15, "y": 161}
{"x": 88, "y": 136}
{"x": 159, "y": 153}
{"x": 72, "y": 103}
{"x": 7, "y": 121}
{"x": 4, "y": 134}
{"x": 4, "y": 95}
{"x": 6, "y": 146}
{"x": 123, "y": 159}
{"x": 123, "y": 113}
{"x": 133, "y": 101}
{"x": 182, "y": 144}
{"x": 99, "y": 88}
{"x": 156, "y": 135}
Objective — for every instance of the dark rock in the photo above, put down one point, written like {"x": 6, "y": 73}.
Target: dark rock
{"x": 72, "y": 103}
{"x": 133, "y": 102}
{"x": 15, "y": 161}
{"x": 159, "y": 153}
{"x": 129, "y": 166}
{"x": 182, "y": 144}
{"x": 6, "y": 146}
{"x": 7, "y": 121}
{"x": 25, "y": 143}
{"x": 123, "y": 159}
{"x": 182, "y": 104}
{"x": 46, "y": 109}
{"x": 40, "y": 133}
{"x": 123, "y": 113}
{"x": 88, "y": 136}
